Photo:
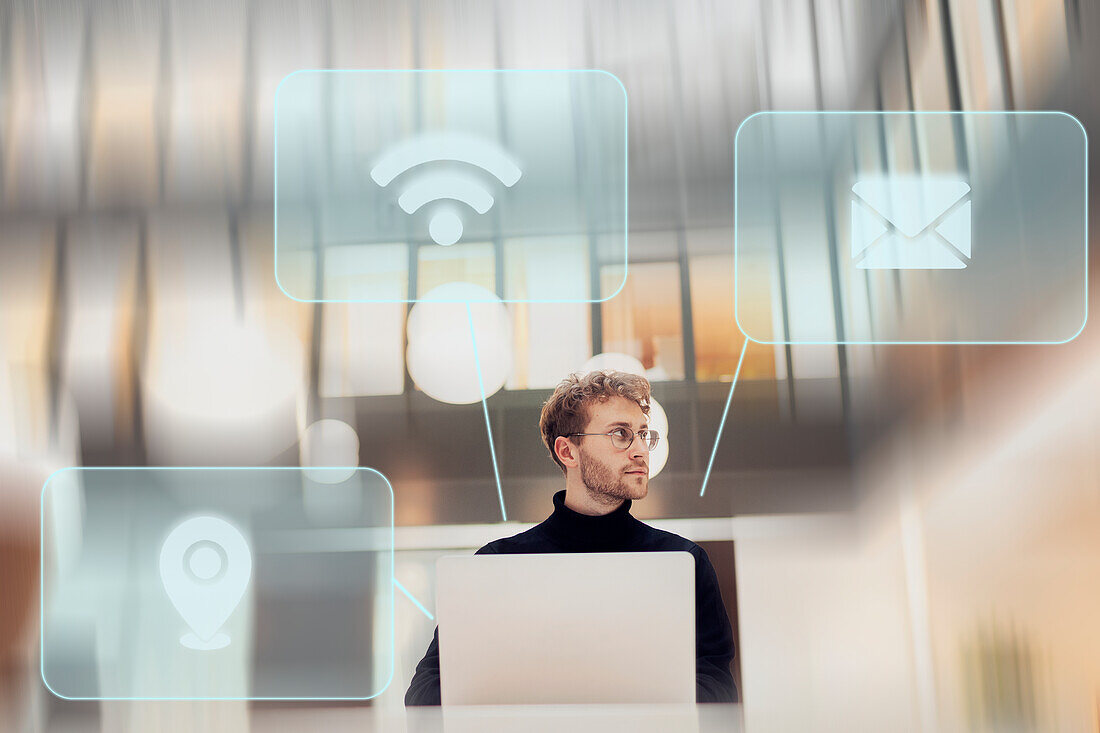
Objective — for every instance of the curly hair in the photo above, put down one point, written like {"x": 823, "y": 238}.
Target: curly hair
{"x": 566, "y": 411}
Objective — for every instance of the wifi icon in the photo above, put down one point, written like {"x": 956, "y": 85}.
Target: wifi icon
{"x": 445, "y": 225}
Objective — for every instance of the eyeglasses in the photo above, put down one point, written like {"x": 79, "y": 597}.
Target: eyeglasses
{"x": 623, "y": 438}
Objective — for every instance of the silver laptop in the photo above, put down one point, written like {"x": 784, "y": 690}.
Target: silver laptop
{"x": 567, "y": 628}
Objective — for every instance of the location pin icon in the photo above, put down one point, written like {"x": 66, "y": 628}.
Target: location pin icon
{"x": 205, "y": 565}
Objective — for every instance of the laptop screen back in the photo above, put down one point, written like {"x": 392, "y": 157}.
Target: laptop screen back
{"x": 567, "y": 628}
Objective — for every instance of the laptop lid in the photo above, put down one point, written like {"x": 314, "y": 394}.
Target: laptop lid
{"x": 567, "y": 628}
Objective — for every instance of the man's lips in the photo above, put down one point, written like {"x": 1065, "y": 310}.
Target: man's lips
{"x": 641, "y": 469}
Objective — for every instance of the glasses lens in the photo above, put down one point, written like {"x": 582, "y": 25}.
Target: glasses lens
{"x": 621, "y": 438}
{"x": 650, "y": 437}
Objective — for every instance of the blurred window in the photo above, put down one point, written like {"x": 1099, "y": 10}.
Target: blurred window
{"x": 644, "y": 320}
{"x": 550, "y": 339}
{"x": 363, "y": 344}
{"x": 471, "y": 262}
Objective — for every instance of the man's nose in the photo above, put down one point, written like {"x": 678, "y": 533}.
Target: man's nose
{"x": 638, "y": 447}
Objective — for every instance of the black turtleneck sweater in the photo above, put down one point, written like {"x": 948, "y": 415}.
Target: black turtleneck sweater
{"x": 569, "y": 531}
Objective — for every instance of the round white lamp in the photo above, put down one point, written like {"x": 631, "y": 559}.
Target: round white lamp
{"x": 441, "y": 355}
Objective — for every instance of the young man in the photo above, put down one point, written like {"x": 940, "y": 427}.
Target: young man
{"x": 596, "y": 428}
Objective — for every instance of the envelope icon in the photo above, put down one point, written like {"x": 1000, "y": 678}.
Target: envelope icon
{"x": 910, "y": 222}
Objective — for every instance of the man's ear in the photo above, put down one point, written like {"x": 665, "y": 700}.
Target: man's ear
{"x": 566, "y": 452}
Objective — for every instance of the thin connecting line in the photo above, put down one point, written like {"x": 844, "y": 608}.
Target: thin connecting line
{"x": 410, "y": 596}
{"x": 485, "y": 409}
{"x": 722, "y": 423}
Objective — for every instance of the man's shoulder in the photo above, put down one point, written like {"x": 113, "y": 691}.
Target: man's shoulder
{"x": 665, "y": 541}
{"x": 528, "y": 541}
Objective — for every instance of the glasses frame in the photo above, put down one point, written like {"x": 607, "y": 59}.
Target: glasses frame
{"x": 655, "y": 433}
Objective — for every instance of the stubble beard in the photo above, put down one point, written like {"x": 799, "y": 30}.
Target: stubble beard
{"x": 605, "y": 486}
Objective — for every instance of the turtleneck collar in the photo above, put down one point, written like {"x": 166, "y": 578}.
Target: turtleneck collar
{"x": 578, "y": 532}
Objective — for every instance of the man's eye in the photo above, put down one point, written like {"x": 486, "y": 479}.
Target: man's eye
{"x": 619, "y": 433}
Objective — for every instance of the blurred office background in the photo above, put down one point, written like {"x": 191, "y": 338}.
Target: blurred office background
{"x": 907, "y": 536}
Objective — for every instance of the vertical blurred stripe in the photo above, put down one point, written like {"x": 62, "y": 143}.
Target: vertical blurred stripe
{"x": 204, "y": 103}
{"x": 124, "y": 133}
{"x": 43, "y": 97}
{"x": 101, "y": 295}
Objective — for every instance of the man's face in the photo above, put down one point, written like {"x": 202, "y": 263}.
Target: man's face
{"x": 611, "y": 473}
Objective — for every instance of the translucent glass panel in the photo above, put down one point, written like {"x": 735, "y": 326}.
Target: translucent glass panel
{"x": 448, "y": 159}
{"x": 217, "y": 583}
{"x": 473, "y": 263}
{"x": 912, "y": 227}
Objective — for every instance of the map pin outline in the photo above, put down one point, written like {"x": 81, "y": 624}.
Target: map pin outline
{"x": 205, "y": 606}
